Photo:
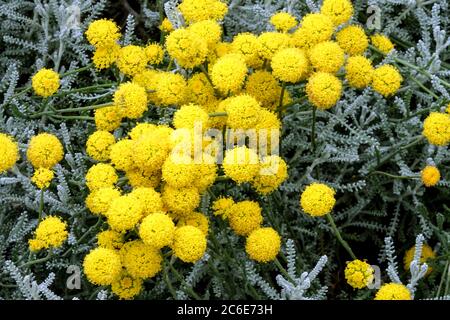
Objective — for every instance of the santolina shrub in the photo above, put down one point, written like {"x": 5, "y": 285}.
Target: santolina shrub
{"x": 209, "y": 153}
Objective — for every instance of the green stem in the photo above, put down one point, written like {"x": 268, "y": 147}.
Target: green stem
{"x": 95, "y": 226}
{"x": 186, "y": 287}
{"x": 44, "y": 259}
{"x": 97, "y": 106}
{"x": 217, "y": 114}
{"x": 441, "y": 283}
{"x": 393, "y": 176}
{"x": 339, "y": 237}
{"x": 72, "y": 117}
{"x": 41, "y": 205}
{"x": 313, "y": 130}
{"x": 283, "y": 271}
{"x": 420, "y": 84}
{"x": 280, "y": 104}
{"x": 168, "y": 282}
{"x": 222, "y": 178}
{"x": 65, "y": 74}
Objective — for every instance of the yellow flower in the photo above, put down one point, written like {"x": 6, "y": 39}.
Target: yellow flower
{"x": 42, "y": 178}
{"x": 98, "y": 201}
{"x": 141, "y": 260}
{"x": 339, "y": 11}
{"x": 122, "y": 155}
{"x": 283, "y": 21}
{"x": 108, "y": 118}
{"x": 140, "y": 129}
{"x": 323, "y": 90}
{"x": 248, "y": 45}
{"x": 9, "y": 152}
{"x": 157, "y": 230}
{"x": 150, "y": 199}
{"x": 154, "y": 53}
{"x": 179, "y": 171}
{"x": 317, "y": 199}
{"x": 359, "y": 274}
{"x": 102, "y": 33}
{"x": 171, "y": 89}
{"x": 272, "y": 174}
{"x": 132, "y": 60}
{"x": 359, "y": 71}
{"x": 430, "y": 176}
{"x": 268, "y": 131}
{"x": 271, "y": 42}
{"x": 221, "y": 207}
{"x": 139, "y": 178}
{"x": 181, "y": 201}
{"x": 315, "y": 28}
{"x": 189, "y": 116}
{"x": 101, "y": 175}
{"x": 263, "y": 244}
{"x": 393, "y": 291}
{"x": 195, "y": 219}
{"x": 241, "y": 164}
{"x": 436, "y": 128}
{"x": 208, "y": 30}
{"x": 353, "y": 40}
{"x": 200, "y": 91}
{"x": 150, "y": 152}
{"x": 198, "y": 10}
{"x": 290, "y": 65}
{"x": 148, "y": 79}
{"x": 327, "y": 57}
{"x": 124, "y": 213}
{"x": 206, "y": 173}
{"x": 132, "y": 99}
{"x": 386, "y": 80}
{"x": 382, "y": 43}
{"x": 102, "y": 266}
{"x": 98, "y": 145}
{"x": 166, "y": 26}
{"x": 126, "y": 287}
{"x": 427, "y": 255}
{"x": 45, "y": 82}
{"x": 243, "y": 112}
{"x": 189, "y": 243}
{"x": 263, "y": 86}
{"x": 110, "y": 239}
{"x": 50, "y": 233}
{"x": 44, "y": 151}
{"x": 104, "y": 57}
{"x": 244, "y": 217}
{"x": 229, "y": 72}
{"x": 187, "y": 47}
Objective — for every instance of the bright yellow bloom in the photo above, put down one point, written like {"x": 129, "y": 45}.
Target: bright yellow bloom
{"x": 171, "y": 89}
{"x": 102, "y": 33}
{"x": 141, "y": 260}
{"x": 98, "y": 145}
{"x": 42, "y": 177}
{"x": 327, "y": 57}
{"x": 189, "y": 116}
{"x": 244, "y": 217}
{"x": 140, "y": 178}
{"x": 148, "y": 79}
{"x": 208, "y": 30}
{"x": 393, "y": 291}
{"x": 200, "y": 91}
{"x": 323, "y": 90}
{"x": 249, "y": 46}
{"x": 359, "y": 72}
{"x": 101, "y": 175}
{"x": 272, "y": 174}
{"x": 104, "y": 57}
{"x": 44, "y": 150}
{"x": 229, "y": 72}
{"x": 436, "y": 128}
{"x": 317, "y": 199}
{"x": 132, "y": 60}
{"x": 154, "y": 53}
{"x": 198, "y": 10}
{"x": 359, "y": 274}
{"x": 132, "y": 99}
{"x": 263, "y": 86}
{"x": 122, "y": 155}
{"x": 243, "y": 112}
{"x": 150, "y": 152}
{"x": 45, "y": 82}
{"x": 386, "y": 80}
{"x": 181, "y": 201}
{"x": 9, "y": 152}
{"x": 157, "y": 230}
{"x": 263, "y": 244}
{"x": 50, "y": 233}
{"x": 108, "y": 118}
{"x": 339, "y": 11}
{"x": 283, "y": 21}
{"x": 290, "y": 65}
{"x": 195, "y": 219}
{"x": 430, "y": 176}
{"x": 179, "y": 171}
{"x": 241, "y": 164}
{"x": 427, "y": 255}
{"x": 187, "y": 47}
{"x": 110, "y": 239}
{"x": 102, "y": 266}
{"x": 315, "y": 28}
{"x": 382, "y": 43}
{"x": 126, "y": 287}
{"x": 124, "y": 213}
{"x": 271, "y": 42}
{"x": 189, "y": 243}
{"x": 151, "y": 200}
{"x": 353, "y": 40}
{"x": 98, "y": 201}
{"x": 166, "y": 26}
{"x": 221, "y": 207}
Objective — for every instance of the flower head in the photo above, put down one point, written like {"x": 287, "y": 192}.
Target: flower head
{"x": 102, "y": 33}
{"x": 327, "y": 57}
{"x": 132, "y": 99}
{"x": 436, "y": 128}
{"x": 110, "y": 239}
{"x": 9, "y": 152}
{"x": 358, "y": 274}
{"x": 221, "y": 207}
{"x": 189, "y": 243}
{"x": 181, "y": 201}
{"x": 317, "y": 199}
{"x": 263, "y": 86}
{"x": 353, "y": 40}
{"x": 126, "y": 286}
{"x": 323, "y": 90}
{"x": 247, "y": 44}
{"x": 426, "y": 255}
{"x": 132, "y": 60}
{"x": 359, "y": 71}
{"x": 272, "y": 174}
{"x": 209, "y": 30}
{"x": 198, "y": 10}
{"x": 150, "y": 199}
{"x": 108, "y": 118}
{"x": 122, "y": 154}
{"x": 263, "y": 244}
{"x": 50, "y": 233}
{"x": 98, "y": 201}
{"x": 187, "y": 47}
{"x": 190, "y": 115}
{"x": 104, "y": 57}
{"x": 124, "y": 213}
{"x": 243, "y": 112}
{"x": 171, "y": 89}
{"x": 241, "y": 164}
{"x": 42, "y": 177}
{"x": 271, "y": 42}
{"x": 290, "y": 65}
{"x": 229, "y": 72}
{"x": 44, "y": 150}
{"x": 382, "y": 43}
{"x": 283, "y": 21}
{"x": 101, "y": 175}
{"x": 154, "y": 53}
{"x": 244, "y": 217}
{"x": 98, "y": 145}
{"x": 45, "y": 82}
{"x": 386, "y": 80}
{"x": 339, "y": 11}
{"x": 315, "y": 28}
{"x": 430, "y": 176}
{"x": 166, "y": 26}
{"x": 157, "y": 230}
{"x": 393, "y": 291}
{"x": 141, "y": 260}
{"x": 195, "y": 219}
{"x": 102, "y": 266}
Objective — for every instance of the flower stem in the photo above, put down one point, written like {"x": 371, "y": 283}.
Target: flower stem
{"x": 44, "y": 259}
{"x": 217, "y": 114}
{"x": 280, "y": 104}
{"x": 393, "y": 176}
{"x": 283, "y": 271}
{"x": 339, "y": 237}
{"x": 65, "y": 74}
{"x": 187, "y": 288}
{"x": 41, "y": 205}
{"x": 313, "y": 130}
